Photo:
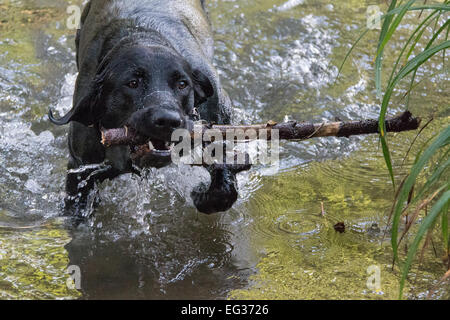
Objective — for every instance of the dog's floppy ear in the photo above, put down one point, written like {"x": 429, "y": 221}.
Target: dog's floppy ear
{"x": 202, "y": 87}
{"x": 87, "y": 111}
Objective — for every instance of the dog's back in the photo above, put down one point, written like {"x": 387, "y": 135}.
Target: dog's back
{"x": 182, "y": 23}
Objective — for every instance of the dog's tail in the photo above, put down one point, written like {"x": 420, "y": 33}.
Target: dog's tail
{"x": 60, "y": 122}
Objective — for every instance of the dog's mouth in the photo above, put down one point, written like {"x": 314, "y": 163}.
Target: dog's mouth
{"x": 145, "y": 151}
{"x": 159, "y": 145}
{"x": 155, "y": 153}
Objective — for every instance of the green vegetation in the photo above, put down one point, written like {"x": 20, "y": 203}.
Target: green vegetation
{"x": 435, "y": 192}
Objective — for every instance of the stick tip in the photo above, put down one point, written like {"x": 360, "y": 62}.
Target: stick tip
{"x": 103, "y": 141}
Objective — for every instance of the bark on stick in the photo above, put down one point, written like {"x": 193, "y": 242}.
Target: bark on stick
{"x": 291, "y": 130}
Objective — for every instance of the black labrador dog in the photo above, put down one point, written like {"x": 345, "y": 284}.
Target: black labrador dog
{"x": 146, "y": 64}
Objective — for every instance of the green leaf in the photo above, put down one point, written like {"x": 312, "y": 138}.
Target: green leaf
{"x": 389, "y": 14}
{"x": 388, "y": 34}
{"x": 435, "y": 35}
{"x": 412, "y": 65}
{"x": 440, "y": 169}
{"x": 443, "y": 53}
{"x": 387, "y": 157}
{"x": 422, "y": 26}
{"x": 379, "y": 56}
{"x": 424, "y": 226}
{"x": 440, "y": 141}
{"x": 350, "y": 51}
{"x": 441, "y": 7}
{"x": 444, "y": 227}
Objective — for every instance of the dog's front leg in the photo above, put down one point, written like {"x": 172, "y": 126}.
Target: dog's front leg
{"x": 90, "y": 163}
{"x": 220, "y": 195}
{"x": 80, "y": 183}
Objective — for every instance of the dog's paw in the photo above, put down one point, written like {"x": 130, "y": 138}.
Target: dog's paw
{"x": 214, "y": 199}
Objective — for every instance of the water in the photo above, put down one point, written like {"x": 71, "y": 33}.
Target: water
{"x": 145, "y": 239}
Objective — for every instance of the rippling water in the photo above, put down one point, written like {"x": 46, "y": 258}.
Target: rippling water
{"x": 145, "y": 240}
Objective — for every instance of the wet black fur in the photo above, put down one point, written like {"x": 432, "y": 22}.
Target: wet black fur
{"x": 159, "y": 42}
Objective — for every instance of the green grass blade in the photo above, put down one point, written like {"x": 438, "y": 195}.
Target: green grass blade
{"x": 389, "y": 14}
{"x": 411, "y": 84}
{"x": 444, "y": 227}
{"x": 412, "y": 65}
{"x": 440, "y": 141}
{"x": 387, "y": 36}
{"x": 436, "y": 34}
{"x": 434, "y": 37}
{"x": 350, "y": 51}
{"x": 379, "y": 56}
{"x": 423, "y": 147}
{"x": 442, "y": 7}
{"x": 387, "y": 157}
{"x": 421, "y": 27}
{"x": 441, "y": 168}
{"x": 443, "y": 53}
{"x": 419, "y": 36}
{"x": 424, "y": 227}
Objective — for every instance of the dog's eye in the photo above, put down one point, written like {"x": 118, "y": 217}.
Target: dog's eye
{"x": 182, "y": 85}
{"x": 133, "y": 84}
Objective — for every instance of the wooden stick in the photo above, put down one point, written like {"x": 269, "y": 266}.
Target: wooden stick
{"x": 291, "y": 130}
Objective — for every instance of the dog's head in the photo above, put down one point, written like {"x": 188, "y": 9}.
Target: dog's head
{"x": 151, "y": 89}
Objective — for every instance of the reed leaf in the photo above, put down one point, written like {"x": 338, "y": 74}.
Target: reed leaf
{"x": 379, "y": 56}
{"x": 424, "y": 227}
{"x": 440, "y": 141}
{"x": 444, "y": 227}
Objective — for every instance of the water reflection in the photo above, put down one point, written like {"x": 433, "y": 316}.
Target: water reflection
{"x": 180, "y": 257}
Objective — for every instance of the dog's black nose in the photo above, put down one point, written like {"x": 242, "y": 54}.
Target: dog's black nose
{"x": 167, "y": 119}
